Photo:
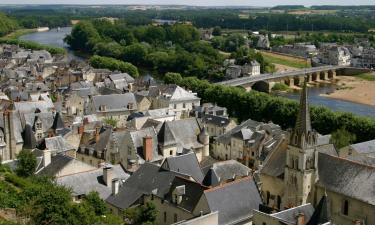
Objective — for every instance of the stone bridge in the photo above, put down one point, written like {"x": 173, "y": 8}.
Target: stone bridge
{"x": 265, "y": 82}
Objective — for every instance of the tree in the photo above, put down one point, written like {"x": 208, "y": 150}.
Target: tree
{"x": 216, "y": 31}
{"x": 113, "y": 64}
{"x": 342, "y": 138}
{"x": 26, "y": 163}
{"x": 143, "y": 215}
{"x": 83, "y": 37}
{"x": 135, "y": 53}
{"x": 94, "y": 200}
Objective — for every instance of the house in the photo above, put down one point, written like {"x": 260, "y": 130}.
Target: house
{"x": 115, "y": 107}
{"x": 298, "y": 49}
{"x": 233, "y": 71}
{"x": 178, "y": 136}
{"x": 366, "y": 59}
{"x": 335, "y": 55}
{"x": 217, "y": 125}
{"x": 120, "y": 81}
{"x": 209, "y": 109}
{"x": 173, "y": 97}
{"x": 250, "y": 69}
{"x": 263, "y": 42}
{"x": 248, "y": 142}
{"x": 179, "y": 196}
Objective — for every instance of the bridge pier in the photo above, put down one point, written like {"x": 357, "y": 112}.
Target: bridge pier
{"x": 332, "y": 74}
{"x": 325, "y": 75}
{"x": 309, "y": 78}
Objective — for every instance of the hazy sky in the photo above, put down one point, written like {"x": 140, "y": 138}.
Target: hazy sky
{"x": 197, "y": 2}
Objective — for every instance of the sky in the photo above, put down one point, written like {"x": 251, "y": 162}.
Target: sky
{"x": 198, "y": 2}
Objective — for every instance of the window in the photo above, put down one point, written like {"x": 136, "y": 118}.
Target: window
{"x": 165, "y": 217}
{"x": 183, "y": 105}
{"x": 39, "y": 135}
{"x": 175, "y": 106}
{"x": 345, "y": 208}
{"x": 268, "y": 197}
{"x": 171, "y": 152}
{"x": 39, "y": 126}
{"x": 175, "y": 218}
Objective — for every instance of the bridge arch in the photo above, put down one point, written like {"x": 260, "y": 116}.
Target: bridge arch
{"x": 314, "y": 77}
{"x": 331, "y": 74}
{"x": 262, "y": 86}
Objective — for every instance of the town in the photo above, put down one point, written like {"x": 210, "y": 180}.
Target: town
{"x": 96, "y": 141}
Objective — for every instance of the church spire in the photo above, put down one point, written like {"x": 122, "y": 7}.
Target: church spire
{"x": 302, "y": 135}
{"x": 303, "y": 123}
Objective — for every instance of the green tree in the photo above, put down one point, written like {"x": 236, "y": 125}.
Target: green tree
{"x": 83, "y": 37}
{"x": 342, "y": 138}
{"x": 216, "y": 31}
{"x": 94, "y": 200}
{"x": 135, "y": 53}
{"x": 26, "y": 163}
{"x": 113, "y": 64}
{"x": 143, "y": 215}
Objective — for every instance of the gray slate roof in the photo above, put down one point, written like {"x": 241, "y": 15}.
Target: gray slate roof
{"x": 289, "y": 216}
{"x": 114, "y": 103}
{"x": 346, "y": 177}
{"x": 186, "y": 164}
{"x": 235, "y": 201}
{"x": 364, "y": 147}
{"x": 85, "y": 182}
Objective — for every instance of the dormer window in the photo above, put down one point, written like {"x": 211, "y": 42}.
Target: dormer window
{"x": 38, "y": 125}
{"x": 130, "y": 105}
{"x": 103, "y": 108}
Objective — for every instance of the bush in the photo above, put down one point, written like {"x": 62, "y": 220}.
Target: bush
{"x": 26, "y": 163}
{"x": 113, "y": 64}
{"x": 263, "y": 107}
{"x": 280, "y": 87}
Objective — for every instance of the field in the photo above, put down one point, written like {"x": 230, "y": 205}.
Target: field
{"x": 312, "y": 12}
{"x": 288, "y": 61}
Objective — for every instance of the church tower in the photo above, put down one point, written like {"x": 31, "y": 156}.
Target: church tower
{"x": 300, "y": 157}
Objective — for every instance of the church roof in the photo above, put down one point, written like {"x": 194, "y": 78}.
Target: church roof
{"x": 321, "y": 214}
{"x": 303, "y": 123}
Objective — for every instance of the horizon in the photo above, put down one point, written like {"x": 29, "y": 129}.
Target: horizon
{"x": 191, "y": 3}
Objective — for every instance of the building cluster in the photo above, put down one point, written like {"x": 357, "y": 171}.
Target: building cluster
{"x": 136, "y": 141}
{"x": 233, "y": 70}
{"x": 360, "y": 54}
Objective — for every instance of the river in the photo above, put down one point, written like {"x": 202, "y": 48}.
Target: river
{"x": 55, "y": 38}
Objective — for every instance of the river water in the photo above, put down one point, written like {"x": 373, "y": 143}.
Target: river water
{"x": 55, "y": 38}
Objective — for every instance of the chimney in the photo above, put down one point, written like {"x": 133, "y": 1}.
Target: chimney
{"x": 147, "y": 148}
{"x": 115, "y": 186}
{"x": 46, "y": 157}
{"x": 301, "y": 219}
{"x": 107, "y": 175}
{"x": 81, "y": 129}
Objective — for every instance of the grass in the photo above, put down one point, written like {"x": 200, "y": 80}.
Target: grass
{"x": 16, "y": 34}
{"x": 285, "y": 60}
{"x": 367, "y": 76}
{"x": 280, "y": 87}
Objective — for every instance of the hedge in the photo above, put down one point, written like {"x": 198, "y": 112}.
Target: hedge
{"x": 263, "y": 107}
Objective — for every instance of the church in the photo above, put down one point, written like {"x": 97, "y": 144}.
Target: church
{"x": 310, "y": 168}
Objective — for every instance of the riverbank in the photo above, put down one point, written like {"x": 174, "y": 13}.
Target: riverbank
{"x": 355, "y": 89}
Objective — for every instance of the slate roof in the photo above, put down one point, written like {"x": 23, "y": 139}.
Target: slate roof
{"x": 321, "y": 213}
{"x": 28, "y": 135}
{"x": 235, "y": 201}
{"x": 58, "y": 162}
{"x": 275, "y": 163}
{"x": 85, "y": 182}
{"x": 363, "y": 159}
{"x": 216, "y": 120}
{"x": 226, "y": 138}
{"x": 289, "y": 216}
{"x": 364, "y": 147}
{"x": 186, "y": 164}
{"x": 114, "y": 103}
{"x": 57, "y": 144}
{"x": 137, "y": 141}
{"x": 346, "y": 177}
{"x": 224, "y": 171}
{"x": 172, "y": 92}
{"x": 149, "y": 178}
{"x": 58, "y": 122}
{"x": 192, "y": 195}
{"x": 183, "y": 132}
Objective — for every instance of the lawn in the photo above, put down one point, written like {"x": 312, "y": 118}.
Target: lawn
{"x": 16, "y": 34}
{"x": 285, "y": 60}
{"x": 367, "y": 76}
